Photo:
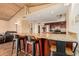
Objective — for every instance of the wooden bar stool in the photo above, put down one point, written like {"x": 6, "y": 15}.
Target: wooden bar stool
{"x": 31, "y": 42}
{"x": 33, "y": 45}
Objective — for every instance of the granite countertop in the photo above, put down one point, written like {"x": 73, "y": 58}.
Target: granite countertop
{"x": 62, "y": 37}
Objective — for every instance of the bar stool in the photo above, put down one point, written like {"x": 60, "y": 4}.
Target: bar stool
{"x": 15, "y": 40}
{"x": 22, "y": 44}
{"x": 61, "y": 49}
{"x": 19, "y": 46}
{"x": 29, "y": 41}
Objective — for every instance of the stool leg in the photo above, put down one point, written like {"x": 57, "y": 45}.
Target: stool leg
{"x": 39, "y": 48}
{"x": 17, "y": 47}
{"x": 26, "y": 49}
{"x": 24, "y": 44}
{"x": 51, "y": 53}
{"x": 33, "y": 49}
{"x": 12, "y": 47}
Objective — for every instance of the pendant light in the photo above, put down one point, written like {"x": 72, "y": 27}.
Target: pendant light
{"x": 26, "y": 7}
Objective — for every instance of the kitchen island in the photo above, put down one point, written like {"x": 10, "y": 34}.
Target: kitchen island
{"x": 62, "y": 37}
{"x": 47, "y": 42}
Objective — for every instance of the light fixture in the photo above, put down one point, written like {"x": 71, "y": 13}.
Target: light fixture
{"x": 16, "y": 25}
{"x": 27, "y": 11}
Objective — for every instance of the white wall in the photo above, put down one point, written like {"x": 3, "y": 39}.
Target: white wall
{"x": 23, "y": 24}
{"x": 74, "y": 26}
{"x": 3, "y": 26}
{"x": 35, "y": 28}
{"x": 16, "y": 19}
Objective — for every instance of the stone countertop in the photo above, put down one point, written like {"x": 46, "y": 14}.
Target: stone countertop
{"x": 61, "y": 37}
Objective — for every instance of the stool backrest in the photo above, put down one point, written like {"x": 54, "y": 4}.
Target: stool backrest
{"x": 29, "y": 38}
{"x": 60, "y": 46}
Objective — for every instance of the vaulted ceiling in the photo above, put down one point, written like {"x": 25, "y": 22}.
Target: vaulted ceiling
{"x": 8, "y": 10}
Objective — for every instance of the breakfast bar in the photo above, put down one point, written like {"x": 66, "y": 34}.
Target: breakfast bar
{"x": 58, "y": 37}
{"x": 47, "y": 42}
